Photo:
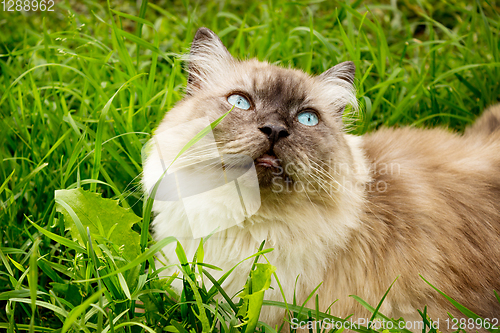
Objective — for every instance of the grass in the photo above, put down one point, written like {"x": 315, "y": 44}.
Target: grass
{"x": 83, "y": 87}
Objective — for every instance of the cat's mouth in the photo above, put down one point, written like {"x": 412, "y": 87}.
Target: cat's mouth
{"x": 268, "y": 160}
{"x": 270, "y": 171}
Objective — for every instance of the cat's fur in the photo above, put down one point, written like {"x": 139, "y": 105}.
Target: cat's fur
{"x": 404, "y": 202}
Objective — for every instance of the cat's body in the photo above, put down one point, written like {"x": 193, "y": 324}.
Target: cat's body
{"x": 399, "y": 202}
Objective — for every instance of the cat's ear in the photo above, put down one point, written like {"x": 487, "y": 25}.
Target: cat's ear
{"x": 340, "y": 83}
{"x": 341, "y": 73}
{"x": 208, "y": 57}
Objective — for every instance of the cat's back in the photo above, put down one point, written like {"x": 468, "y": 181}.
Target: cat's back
{"x": 435, "y": 197}
{"x": 438, "y": 155}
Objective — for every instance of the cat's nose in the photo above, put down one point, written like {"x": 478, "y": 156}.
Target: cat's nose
{"x": 274, "y": 132}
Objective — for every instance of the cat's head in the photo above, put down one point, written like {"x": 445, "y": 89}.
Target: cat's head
{"x": 288, "y": 122}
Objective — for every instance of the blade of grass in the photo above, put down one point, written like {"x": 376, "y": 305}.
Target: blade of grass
{"x": 100, "y": 129}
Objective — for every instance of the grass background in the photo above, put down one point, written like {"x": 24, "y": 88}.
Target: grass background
{"x": 83, "y": 87}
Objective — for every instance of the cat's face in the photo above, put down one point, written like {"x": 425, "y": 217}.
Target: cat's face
{"x": 288, "y": 122}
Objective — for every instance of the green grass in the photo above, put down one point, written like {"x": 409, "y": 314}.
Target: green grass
{"x": 83, "y": 87}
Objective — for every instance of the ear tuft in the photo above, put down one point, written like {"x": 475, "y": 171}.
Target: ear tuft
{"x": 208, "y": 55}
{"x": 344, "y": 71}
{"x": 340, "y": 81}
{"x": 204, "y": 34}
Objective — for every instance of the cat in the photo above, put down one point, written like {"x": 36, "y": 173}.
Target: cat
{"x": 351, "y": 212}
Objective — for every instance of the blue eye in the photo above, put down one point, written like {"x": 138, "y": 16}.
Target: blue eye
{"x": 308, "y": 118}
{"x": 239, "y": 101}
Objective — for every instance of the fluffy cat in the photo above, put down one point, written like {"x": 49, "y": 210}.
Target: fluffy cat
{"x": 395, "y": 202}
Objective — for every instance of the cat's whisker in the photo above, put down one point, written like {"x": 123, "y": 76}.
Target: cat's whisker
{"x": 325, "y": 173}
{"x": 317, "y": 191}
{"x": 378, "y": 206}
{"x": 312, "y": 204}
{"x": 134, "y": 180}
{"x": 319, "y": 181}
{"x": 328, "y": 176}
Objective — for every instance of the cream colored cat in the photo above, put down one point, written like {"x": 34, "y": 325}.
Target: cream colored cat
{"x": 351, "y": 212}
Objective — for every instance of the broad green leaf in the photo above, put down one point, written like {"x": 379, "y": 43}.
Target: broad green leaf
{"x": 104, "y": 217}
{"x": 253, "y": 295}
